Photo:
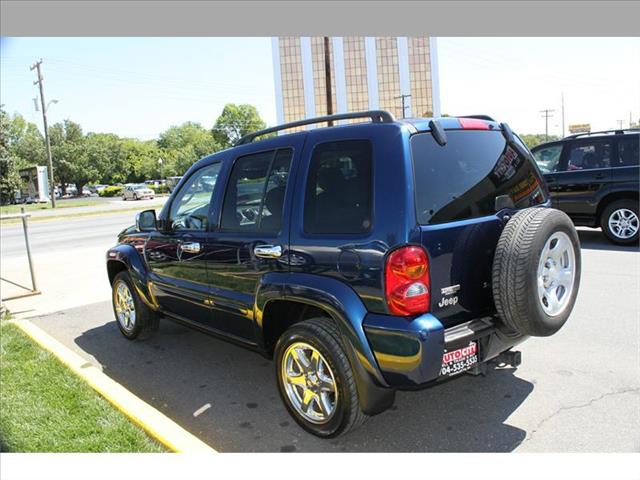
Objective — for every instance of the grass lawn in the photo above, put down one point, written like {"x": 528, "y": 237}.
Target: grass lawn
{"x": 44, "y": 407}
{"x": 11, "y": 209}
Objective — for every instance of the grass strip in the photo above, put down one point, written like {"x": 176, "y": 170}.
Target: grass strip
{"x": 44, "y": 407}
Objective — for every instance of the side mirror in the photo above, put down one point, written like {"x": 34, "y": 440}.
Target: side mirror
{"x": 146, "y": 221}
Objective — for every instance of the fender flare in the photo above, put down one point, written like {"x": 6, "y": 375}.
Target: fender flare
{"x": 132, "y": 260}
{"x": 347, "y": 310}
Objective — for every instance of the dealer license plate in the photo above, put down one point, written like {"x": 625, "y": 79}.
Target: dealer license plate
{"x": 460, "y": 360}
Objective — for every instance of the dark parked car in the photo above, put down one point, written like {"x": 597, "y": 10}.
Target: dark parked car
{"x": 593, "y": 177}
{"x": 364, "y": 258}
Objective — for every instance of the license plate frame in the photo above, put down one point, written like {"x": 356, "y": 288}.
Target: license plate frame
{"x": 459, "y": 360}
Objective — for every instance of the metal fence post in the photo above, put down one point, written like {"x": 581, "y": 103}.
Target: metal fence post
{"x": 28, "y": 246}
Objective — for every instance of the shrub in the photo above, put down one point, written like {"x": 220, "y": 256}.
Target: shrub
{"x": 110, "y": 191}
{"x": 159, "y": 189}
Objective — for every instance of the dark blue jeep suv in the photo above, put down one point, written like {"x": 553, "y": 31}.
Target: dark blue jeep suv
{"x": 363, "y": 257}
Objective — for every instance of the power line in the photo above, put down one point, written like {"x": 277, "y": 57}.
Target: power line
{"x": 40, "y": 82}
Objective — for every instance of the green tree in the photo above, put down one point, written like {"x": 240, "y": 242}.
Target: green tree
{"x": 183, "y": 145}
{"x": 234, "y": 122}
{"x": 537, "y": 138}
{"x": 9, "y": 178}
{"x": 104, "y": 151}
{"x": 71, "y": 162}
{"x": 24, "y": 141}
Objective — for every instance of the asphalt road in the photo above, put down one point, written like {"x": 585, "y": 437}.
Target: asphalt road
{"x": 64, "y": 234}
{"x": 577, "y": 391}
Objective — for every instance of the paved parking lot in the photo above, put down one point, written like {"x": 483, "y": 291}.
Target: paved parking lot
{"x": 578, "y": 391}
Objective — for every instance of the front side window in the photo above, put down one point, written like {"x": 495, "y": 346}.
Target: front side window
{"x": 628, "y": 148}
{"x": 190, "y": 207}
{"x": 547, "y": 158}
{"x": 338, "y": 196}
{"x": 254, "y": 199}
{"x": 587, "y": 156}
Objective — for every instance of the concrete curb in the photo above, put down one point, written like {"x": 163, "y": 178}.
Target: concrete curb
{"x": 155, "y": 423}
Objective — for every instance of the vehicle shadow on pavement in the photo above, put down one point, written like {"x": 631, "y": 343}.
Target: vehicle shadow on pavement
{"x": 595, "y": 240}
{"x": 179, "y": 371}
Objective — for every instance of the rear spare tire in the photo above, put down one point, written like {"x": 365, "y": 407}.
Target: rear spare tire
{"x": 536, "y": 271}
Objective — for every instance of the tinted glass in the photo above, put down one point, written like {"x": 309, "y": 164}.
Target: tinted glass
{"x": 548, "y": 158}
{"x": 587, "y": 156}
{"x": 338, "y": 195}
{"x": 190, "y": 207}
{"x": 254, "y": 198}
{"x": 462, "y": 179}
{"x": 628, "y": 148}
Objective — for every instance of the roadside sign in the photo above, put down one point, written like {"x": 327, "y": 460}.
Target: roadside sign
{"x": 580, "y": 128}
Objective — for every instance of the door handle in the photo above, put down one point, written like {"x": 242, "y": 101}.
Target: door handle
{"x": 268, "y": 251}
{"x": 190, "y": 247}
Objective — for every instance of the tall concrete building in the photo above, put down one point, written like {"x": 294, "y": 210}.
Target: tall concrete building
{"x": 366, "y": 73}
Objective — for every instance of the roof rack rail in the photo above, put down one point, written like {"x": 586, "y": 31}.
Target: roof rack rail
{"x": 479, "y": 117}
{"x": 617, "y": 131}
{"x": 376, "y": 116}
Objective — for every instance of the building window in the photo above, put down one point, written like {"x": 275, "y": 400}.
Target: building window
{"x": 355, "y": 71}
{"x": 420, "y": 76}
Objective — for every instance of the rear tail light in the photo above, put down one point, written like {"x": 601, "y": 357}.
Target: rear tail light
{"x": 473, "y": 124}
{"x": 407, "y": 281}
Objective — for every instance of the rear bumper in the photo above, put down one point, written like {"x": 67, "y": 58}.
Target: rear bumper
{"x": 409, "y": 352}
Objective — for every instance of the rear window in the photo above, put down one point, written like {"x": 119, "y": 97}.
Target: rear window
{"x": 462, "y": 179}
{"x": 628, "y": 150}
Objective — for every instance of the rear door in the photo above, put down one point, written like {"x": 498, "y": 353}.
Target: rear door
{"x": 585, "y": 168}
{"x": 252, "y": 237}
{"x": 624, "y": 172}
{"x": 456, "y": 186}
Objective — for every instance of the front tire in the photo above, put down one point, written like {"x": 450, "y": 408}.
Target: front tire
{"x": 619, "y": 222}
{"x": 315, "y": 380}
{"x": 133, "y": 317}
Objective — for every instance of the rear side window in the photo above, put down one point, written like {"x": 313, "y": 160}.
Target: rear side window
{"x": 462, "y": 179}
{"x": 254, "y": 199}
{"x": 338, "y": 195}
{"x": 589, "y": 156}
{"x": 628, "y": 151}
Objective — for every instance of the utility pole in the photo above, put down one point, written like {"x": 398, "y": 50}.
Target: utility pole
{"x": 327, "y": 71}
{"x": 404, "y": 106}
{"x": 562, "y": 97}
{"x": 547, "y": 115}
{"x": 39, "y": 82}
{"x": 620, "y": 124}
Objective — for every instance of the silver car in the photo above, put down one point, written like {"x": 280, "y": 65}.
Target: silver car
{"x": 137, "y": 192}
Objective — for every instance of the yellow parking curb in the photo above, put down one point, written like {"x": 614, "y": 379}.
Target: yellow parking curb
{"x": 155, "y": 423}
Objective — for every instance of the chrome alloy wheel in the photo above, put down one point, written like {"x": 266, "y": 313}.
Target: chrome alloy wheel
{"x": 125, "y": 306}
{"x": 309, "y": 382}
{"x": 623, "y": 223}
{"x": 556, "y": 274}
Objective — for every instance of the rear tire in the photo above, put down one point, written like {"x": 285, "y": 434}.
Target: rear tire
{"x": 133, "y": 317}
{"x": 619, "y": 222}
{"x": 536, "y": 272}
{"x": 319, "y": 337}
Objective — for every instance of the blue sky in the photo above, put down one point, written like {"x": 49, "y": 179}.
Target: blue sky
{"x": 138, "y": 87}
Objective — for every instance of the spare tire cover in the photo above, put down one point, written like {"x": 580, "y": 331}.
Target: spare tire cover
{"x": 536, "y": 271}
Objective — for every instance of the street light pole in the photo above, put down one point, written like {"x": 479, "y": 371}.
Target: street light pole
{"x": 46, "y": 131}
